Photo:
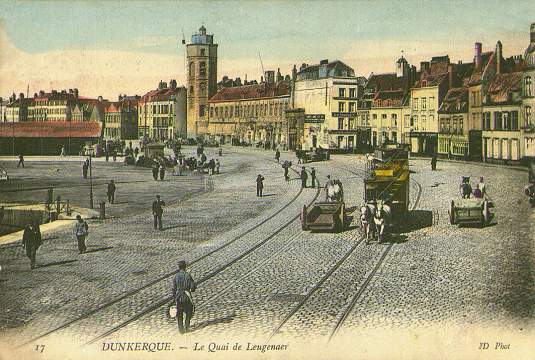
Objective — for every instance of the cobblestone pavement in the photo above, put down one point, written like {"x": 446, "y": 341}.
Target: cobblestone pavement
{"x": 126, "y": 253}
{"x": 434, "y": 274}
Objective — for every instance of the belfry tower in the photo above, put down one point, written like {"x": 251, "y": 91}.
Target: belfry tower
{"x": 202, "y": 78}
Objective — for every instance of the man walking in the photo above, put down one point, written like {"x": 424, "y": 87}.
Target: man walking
{"x": 183, "y": 286}
{"x": 313, "y": 175}
{"x": 304, "y": 177}
{"x": 285, "y": 166}
{"x": 157, "y": 212}
{"x": 81, "y": 229}
{"x": 434, "y": 162}
{"x": 277, "y": 155}
{"x": 162, "y": 172}
{"x": 259, "y": 185}
{"x": 85, "y": 166}
{"x": 21, "y": 160}
{"x": 155, "y": 171}
{"x": 111, "y": 192}
{"x": 31, "y": 240}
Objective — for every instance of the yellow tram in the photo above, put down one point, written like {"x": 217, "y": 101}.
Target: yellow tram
{"x": 387, "y": 180}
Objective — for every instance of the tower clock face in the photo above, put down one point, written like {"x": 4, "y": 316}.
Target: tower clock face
{"x": 202, "y": 86}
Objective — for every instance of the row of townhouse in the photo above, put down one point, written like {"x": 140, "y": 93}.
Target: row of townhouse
{"x": 480, "y": 110}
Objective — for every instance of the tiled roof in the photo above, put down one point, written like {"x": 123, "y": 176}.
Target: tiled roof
{"x": 51, "y": 129}
{"x": 54, "y": 96}
{"x": 455, "y": 101}
{"x": 113, "y": 107}
{"x": 486, "y": 59}
{"x": 161, "y": 94}
{"x": 334, "y": 69}
{"x": 388, "y": 98}
{"x": 387, "y": 81}
{"x": 430, "y": 80}
{"x": 504, "y": 84}
{"x": 248, "y": 92}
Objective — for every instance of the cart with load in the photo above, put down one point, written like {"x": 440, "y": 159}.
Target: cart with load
{"x": 323, "y": 216}
{"x": 470, "y": 211}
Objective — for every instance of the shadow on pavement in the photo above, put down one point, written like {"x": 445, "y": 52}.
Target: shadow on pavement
{"x": 99, "y": 249}
{"x": 173, "y": 227}
{"x": 222, "y": 320}
{"x": 57, "y": 263}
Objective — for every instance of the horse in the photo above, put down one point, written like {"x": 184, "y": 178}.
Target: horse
{"x": 375, "y": 220}
{"x": 466, "y": 190}
{"x": 366, "y": 220}
{"x": 335, "y": 192}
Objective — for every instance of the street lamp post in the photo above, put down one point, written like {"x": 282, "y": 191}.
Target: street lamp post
{"x": 91, "y": 178}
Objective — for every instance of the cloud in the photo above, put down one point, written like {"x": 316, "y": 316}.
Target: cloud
{"x": 94, "y": 72}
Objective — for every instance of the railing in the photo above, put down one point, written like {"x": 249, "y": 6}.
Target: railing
{"x": 58, "y": 207}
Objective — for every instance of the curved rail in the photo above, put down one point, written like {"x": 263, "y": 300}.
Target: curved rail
{"x": 215, "y": 272}
{"x": 169, "y": 274}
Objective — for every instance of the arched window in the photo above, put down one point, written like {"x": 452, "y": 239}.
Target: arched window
{"x": 528, "y": 86}
{"x": 191, "y": 69}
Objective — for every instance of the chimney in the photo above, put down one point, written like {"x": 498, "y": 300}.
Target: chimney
{"x": 532, "y": 33}
{"x": 34, "y": 95}
{"x": 450, "y": 75}
{"x": 75, "y": 91}
{"x": 324, "y": 62}
{"x": 294, "y": 73}
{"x": 261, "y": 79}
{"x": 477, "y": 55}
{"x": 41, "y": 92}
{"x": 100, "y": 99}
{"x": 172, "y": 84}
{"x": 498, "y": 57}
{"x": 21, "y": 96}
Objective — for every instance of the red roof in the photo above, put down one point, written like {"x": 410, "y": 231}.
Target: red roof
{"x": 248, "y": 92}
{"x": 503, "y": 86}
{"x": 113, "y": 107}
{"x": 161, "y": 94}
{"x": 51, "y": 129}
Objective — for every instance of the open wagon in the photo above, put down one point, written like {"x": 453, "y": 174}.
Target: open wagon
{"x": 323, "y": 216}
{"x": 470, "y": 211}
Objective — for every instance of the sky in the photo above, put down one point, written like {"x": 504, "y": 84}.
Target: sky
{"x": 126, "y": 47}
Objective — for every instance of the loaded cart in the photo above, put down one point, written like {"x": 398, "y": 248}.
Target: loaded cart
{"x": 469, "y": 211}
{"x": 323, "y": 216}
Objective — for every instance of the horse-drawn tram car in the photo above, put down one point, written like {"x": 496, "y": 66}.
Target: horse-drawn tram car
{"x": 386, "y": 191}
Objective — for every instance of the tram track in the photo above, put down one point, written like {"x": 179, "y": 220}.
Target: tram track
{"x": 164, "y": 301}
{"x": 367, "y": 280}
{"x": 362, "y": 287}
{"x": 160, "y": 279}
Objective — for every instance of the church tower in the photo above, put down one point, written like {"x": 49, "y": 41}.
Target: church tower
{"x": 202, "y": 77}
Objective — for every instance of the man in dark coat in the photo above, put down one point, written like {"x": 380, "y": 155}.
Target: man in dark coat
{"x": 277, "y": 155}
{"x": 157, "y": 212}
{"x": 155, "y": 168}
{"x": 162, "y": 172}
{"x": 21, "y": 160}
{"x": 31, "y": 240}
{"x": 111, "y": 192}
{"x": 313, "y": 175}
{"x": 183, "y": 286}
{"x": 285, "y": 167}
{"x": 85, "y": 167}
{"x": 434, "y": 162}
{"x": 259, "y": 185}
{"x": 304, "y": 177}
